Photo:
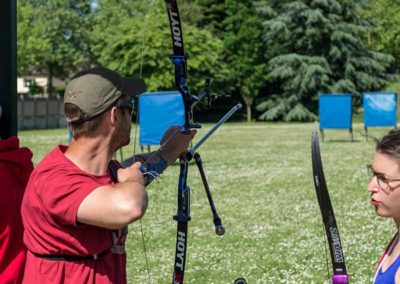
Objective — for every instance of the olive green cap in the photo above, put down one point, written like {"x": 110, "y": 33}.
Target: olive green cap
{"x": 96, "y": 89}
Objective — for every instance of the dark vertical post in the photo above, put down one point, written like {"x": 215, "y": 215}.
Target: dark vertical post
{"x": 8, "y": 68}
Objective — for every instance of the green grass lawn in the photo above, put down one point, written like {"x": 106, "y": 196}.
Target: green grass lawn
{"x": 260, "y": 176}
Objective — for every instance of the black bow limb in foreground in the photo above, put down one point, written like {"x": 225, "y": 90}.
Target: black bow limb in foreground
{"x": 328, "y": 217}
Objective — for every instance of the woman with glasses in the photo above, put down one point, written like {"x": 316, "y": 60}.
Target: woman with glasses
{"x": 385, "y": 196}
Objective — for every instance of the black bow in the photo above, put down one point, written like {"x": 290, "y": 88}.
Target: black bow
{"x": 328, "y": 217}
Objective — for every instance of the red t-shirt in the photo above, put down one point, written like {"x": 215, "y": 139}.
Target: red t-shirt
{"x": 49, "y": 211}
{"x": 15, "y": 168}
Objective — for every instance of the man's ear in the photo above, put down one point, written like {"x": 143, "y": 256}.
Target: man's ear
{"x": 114, "y": 115}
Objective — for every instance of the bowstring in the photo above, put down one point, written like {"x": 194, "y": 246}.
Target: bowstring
{"x": 136, "y": 131}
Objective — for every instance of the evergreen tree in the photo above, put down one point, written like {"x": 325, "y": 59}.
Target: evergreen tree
{"x": 214, "y": 14}
{"x": 316, "y": 47}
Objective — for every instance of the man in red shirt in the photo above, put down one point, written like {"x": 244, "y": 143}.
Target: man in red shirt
{"x": 75, "y": 215}
{"x": 15, "y": 168}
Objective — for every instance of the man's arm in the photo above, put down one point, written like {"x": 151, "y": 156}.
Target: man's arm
{"x": 116, "y": 206}
{"x": 172, "y": 145}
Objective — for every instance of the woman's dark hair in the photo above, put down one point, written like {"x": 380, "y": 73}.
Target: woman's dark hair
{"x": 390, "y": 144}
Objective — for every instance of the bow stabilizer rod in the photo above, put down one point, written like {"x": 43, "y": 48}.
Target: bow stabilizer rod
{"x": 215, "y": 127}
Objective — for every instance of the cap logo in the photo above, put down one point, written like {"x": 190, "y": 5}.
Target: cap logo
{"x": 71, "y": 95}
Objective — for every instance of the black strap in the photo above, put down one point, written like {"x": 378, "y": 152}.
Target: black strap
{"x": 61, "y": 257}
{"x": 113, "y": 167}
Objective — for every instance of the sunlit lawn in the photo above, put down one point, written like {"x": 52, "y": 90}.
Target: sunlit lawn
{"x": 260, "y": 176}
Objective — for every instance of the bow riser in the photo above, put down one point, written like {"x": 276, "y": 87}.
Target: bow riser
{"x": 183, "y": 212}
{"x": 189, "y": 101}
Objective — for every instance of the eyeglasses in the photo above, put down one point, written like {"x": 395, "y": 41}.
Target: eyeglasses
{"x": 383, "y": 183}
{"x": 126, "y": 104}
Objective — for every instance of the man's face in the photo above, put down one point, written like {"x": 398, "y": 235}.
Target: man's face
{"x": 124, "y": 133}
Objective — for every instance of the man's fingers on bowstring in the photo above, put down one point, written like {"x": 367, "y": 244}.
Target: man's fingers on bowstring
{"x": 130, "y": 172}
{"x": 136, "y": 166}
{"x": 137, "y": 174}
{"x": 134, "y": 170}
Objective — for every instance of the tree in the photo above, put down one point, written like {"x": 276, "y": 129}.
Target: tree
{"x": 119, "y": 47}
{"x": 244, "y": 51}
{"x": 31, "y": 42}
{"x": 317, "y": 47}
{"x": 384, "y": 36}
{"x": 214, "y": 14}
{"x": 53, "y": 36}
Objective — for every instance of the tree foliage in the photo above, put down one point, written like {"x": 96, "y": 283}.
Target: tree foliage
{"x": 244, "y": 51}
{"x": 214, "y": 14}
{"x": 384, "y": 17}
{"x": 143, "y": 42}
{"x": 318, "y": 47}
{"x": 53, "y": 36}
{"x": 278, "y": 54}
{"x": 31, "y": 41}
